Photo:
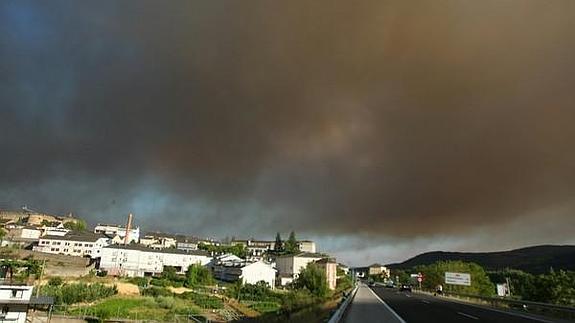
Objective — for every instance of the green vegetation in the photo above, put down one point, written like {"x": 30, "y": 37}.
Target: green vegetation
{"x": 557, "y": 287}
{"x": 202, "y": 300}
{"x": 20, "y": 269}
{"x": 291, "y": 246}
{"x": 279, "y": 245}
{"x": 344, "y": 282}
{"x": 156, "y": 291}
{"x": 238, "y": 249}
{"x": 198, "y": 275}
{"x": 313, "y": 279}
{"x": 141, "y": 308}
{"x": 435, "y": 275}
{"x": 77, "y": 292}
{"x": 78, "y": 225}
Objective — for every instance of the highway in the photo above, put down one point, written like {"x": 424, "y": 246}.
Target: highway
{"x": 380, "y": 304}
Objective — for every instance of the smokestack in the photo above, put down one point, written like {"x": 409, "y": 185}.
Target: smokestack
{"x": 128, "y": 228}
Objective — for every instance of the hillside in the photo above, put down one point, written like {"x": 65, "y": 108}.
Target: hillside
{"x": 536, "y": 260}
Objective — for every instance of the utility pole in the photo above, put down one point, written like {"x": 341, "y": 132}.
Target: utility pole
{"x": 41, "y": 277}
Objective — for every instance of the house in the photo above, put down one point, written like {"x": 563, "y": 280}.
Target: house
{"x": 289, "y": 266}
{"x": 137, "y": 261}
{"x": 329, "y": 266}
{"x": 82, "y": 244}
{"x": 58, "y": 230}
{"x": 306, "y": 246}
{"x": 14, "y": 302}
{"x": 343, "y": 268}
{"x": 256, "y": 248}
{"x": 187, "y": 244}
{"x": 22, "y": 236}
{"x": 112, "y": 230}
{"x": 377, "y": 269}
{"x": 246, "y": 272}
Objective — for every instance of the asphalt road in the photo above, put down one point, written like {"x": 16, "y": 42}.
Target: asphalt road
{"x": 393, "y": 306}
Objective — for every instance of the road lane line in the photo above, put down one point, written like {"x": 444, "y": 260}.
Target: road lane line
{"x": 407, "y": 295}
{"x": 496, "y": 310}
{"x": 387, "y": 306}
{"x": 426, "y": 302}
{"x": 469, "y": 316}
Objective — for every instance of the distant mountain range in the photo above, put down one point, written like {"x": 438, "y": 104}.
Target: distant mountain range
{"x": 535, "y": 260}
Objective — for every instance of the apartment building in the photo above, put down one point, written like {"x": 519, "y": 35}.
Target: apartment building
{"x": 112, "y": 230}
{"x": 82, "y": 244}
{"x": 138, "y": 261}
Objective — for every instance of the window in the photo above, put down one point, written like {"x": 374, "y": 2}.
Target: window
{"x": 17, "y": 293}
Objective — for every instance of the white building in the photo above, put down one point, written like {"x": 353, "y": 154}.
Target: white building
{"x": 55, "y": 231}
{"x": 289, "y": 266}
{"x": 83, "y": 244}
{"x": 14, "y": 303}
{"x": 306, "y": 246}
{"x": 247, "y": 272}
{"x": 139, "y": 261}
{"x": 112, "y": 230}
{"x": 187, "y": 244}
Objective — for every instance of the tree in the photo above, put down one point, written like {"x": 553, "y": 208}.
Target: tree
{"x": 434, "y": 275}
{"x": 313, "y": 279}
{"x": 198, "y": 275}
{"x": 291, "y": 245}
{"x": 77, "y": 225}
{"x": 2, "y": 235}
{"x": 279, "y": 245}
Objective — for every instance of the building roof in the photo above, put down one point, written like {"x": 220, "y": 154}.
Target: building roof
{"x": 76, "y": 236}
{"x": 326, "y": 260}
{"x": 168, "y": 250}
{"x": 306, "y": 255}
{"x": 376, "y": 265}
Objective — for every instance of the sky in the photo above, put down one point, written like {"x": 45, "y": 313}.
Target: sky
{"x": 380, "y": 129}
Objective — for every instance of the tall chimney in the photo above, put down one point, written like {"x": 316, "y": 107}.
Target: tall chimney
{"x": 128, "y": 229}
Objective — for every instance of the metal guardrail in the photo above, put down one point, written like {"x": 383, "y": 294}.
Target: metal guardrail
{"x": 558, "y": 311}
{"x": 338, "y": 314}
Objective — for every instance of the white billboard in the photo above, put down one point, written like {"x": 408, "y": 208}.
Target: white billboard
{"x": 458, "y": 279}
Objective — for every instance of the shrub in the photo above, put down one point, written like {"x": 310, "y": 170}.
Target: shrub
{"x": 140, "y": 281}
{"x": 156, "y": 291}
{"x": 203, "y": 301}
{"x": 78, "y": 292}
{"x": 55, "y": 281}
{"x": 313, "y": 279}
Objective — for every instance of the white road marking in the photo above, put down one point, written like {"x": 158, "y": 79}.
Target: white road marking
{"x": 407, "y": 295}
{"x": 469, "y": 316}
{"x": 387, "y": 306}
{"x": 499, "y": 311}
{"x": 426, "y": 302}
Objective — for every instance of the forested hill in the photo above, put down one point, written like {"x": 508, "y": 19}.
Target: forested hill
{"x": 535, "y": 260}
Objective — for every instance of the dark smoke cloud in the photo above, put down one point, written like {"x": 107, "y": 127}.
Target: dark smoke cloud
{"x": 381, "y": 118}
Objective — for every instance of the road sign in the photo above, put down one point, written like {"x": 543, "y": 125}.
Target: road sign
{"x": 458, "y": 279}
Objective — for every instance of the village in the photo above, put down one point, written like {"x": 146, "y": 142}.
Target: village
{"x": 120, "y": 254}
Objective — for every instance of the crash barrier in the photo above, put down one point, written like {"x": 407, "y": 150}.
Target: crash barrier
{"x": 338, "y": 314}
{"x": 545, "y": 309}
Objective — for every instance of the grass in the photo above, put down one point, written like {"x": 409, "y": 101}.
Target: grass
{"x": 137, "y": 308}
{"x": 265, "y": 307}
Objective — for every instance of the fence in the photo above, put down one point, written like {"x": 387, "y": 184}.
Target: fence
{"x": 336, "y": 317}
{"x": 70, "y": 313}
{"x": 545, "y": 309}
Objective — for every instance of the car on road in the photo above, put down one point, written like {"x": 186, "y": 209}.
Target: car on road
{"x": 405, "y": 288}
